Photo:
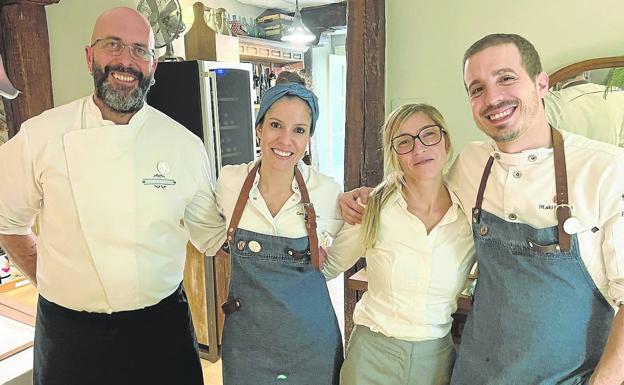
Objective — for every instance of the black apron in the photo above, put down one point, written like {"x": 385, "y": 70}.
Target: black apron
{"x": 154, "y": 345}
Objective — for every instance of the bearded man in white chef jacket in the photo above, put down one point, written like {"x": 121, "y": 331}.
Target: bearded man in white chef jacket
{"x": 110, "y": 179}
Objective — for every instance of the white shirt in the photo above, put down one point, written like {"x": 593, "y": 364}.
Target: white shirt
{"x": 583, "y": 109}
{"x": 521, "y": 188}
{"x": 289, "y": 221}
{"x": 414, "y": 278}
{"x": 110, "y": 199}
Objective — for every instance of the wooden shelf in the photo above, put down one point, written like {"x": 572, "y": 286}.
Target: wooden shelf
{"x": 254, "y": 49}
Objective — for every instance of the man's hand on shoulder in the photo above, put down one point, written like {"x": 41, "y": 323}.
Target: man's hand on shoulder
{"x": 352, "y": 204}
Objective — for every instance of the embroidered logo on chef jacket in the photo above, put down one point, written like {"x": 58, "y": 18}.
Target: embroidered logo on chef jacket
{"x": 160, "y": 180}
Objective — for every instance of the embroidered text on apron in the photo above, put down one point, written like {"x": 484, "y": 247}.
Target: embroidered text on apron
{"x": 280, "y": 327}
{"x": 538, "y": 317}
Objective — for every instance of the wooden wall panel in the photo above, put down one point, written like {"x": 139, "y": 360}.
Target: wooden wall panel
{"x": 366, "y": 41}
{"x": 25, "y": 48}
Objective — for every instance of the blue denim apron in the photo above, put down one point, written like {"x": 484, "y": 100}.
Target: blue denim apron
{"x": 537, "y": 317}
{"x": 280, "y": 326}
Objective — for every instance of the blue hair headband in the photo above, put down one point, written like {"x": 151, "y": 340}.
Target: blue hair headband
{"x": 273, "y": 94}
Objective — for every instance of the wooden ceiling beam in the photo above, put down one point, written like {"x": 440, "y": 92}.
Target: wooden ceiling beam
{"x": 24, "y": 45}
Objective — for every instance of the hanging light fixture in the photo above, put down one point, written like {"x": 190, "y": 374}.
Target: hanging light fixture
{"x": 297, "y": 32}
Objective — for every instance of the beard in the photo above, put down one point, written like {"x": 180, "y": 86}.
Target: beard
{"x": 123, "y": 99}
{"x": 525, "y": 108}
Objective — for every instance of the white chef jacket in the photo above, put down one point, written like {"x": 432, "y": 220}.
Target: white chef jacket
{"x": 521, "y": 188}
{"x": 110, "y": 199}
{"x": 289, "y": 221}
{"x": 414, "y": 278}
{"x": 583, "y": 109}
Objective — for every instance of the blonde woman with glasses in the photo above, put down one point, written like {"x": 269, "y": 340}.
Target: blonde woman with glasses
{"x": 418, "y": 247}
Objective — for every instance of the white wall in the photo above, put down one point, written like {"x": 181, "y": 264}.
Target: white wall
{"x": 70, "y": 23}
{"x": 426, "y": 41}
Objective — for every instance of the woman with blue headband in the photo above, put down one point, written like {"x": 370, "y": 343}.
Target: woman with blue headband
{"x": 280, "y": 326}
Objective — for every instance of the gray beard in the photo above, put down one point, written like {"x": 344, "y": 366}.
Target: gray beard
{"x": 121, "y": 99}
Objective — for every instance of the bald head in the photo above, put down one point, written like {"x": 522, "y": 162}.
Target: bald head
{"x": 125, "y": 23}
{"x": 121, "y": 61}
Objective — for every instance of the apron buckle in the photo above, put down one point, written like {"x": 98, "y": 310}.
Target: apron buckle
{"x": 546, "y": 249}
{"x": 297, "y": 255}
{"x": 231, "y": 306}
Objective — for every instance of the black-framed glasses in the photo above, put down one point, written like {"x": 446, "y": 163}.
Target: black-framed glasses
{"x": 116, "y": 48}
{"x": 428, "y": 136}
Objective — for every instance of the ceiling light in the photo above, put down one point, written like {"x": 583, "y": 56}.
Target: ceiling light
{"x": 297, "y": 32}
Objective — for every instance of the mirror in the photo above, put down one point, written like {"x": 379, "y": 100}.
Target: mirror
{"x": 587, "y": 98}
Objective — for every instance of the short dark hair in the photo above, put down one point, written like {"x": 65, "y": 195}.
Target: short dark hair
{"x": 289, "y": 77}
{"x": 528, "y": 54}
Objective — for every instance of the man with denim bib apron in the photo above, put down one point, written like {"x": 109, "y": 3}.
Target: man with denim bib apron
{"x": 109, "y": 178}
{"x": 548, "y": 227}
{"x": 280, "y": 326}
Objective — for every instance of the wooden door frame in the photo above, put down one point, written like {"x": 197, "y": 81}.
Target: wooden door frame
{"x": 25, "y": 47}
{"x": 365, "y": 112}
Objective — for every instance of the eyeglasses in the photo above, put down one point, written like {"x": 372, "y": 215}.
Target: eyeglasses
{"x": 428, "y": 136}
{"x": 116, "y": 48}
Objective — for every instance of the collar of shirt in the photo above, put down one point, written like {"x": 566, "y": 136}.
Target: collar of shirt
{"x": 523, "y": 158}
{"x": 449, "y": 217}
{"x": 305, "y": 173}
{"x": 92, "y": 116}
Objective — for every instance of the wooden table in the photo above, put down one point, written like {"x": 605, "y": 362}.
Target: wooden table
{"x": 17, "y": 369}
{"x": 359, "y": 282}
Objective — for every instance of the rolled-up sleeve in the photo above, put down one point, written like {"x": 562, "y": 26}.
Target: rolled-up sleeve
{"x": 344, "y": 252}
{"x": 202, "y": 218}
{"x": 20, "y": 190}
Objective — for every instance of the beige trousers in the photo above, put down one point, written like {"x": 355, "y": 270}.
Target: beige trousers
{"x": 374, "y": 359}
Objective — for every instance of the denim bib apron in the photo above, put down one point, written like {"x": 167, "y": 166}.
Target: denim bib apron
{"x": 537, "y": 317}
{"x": 280, "y": 326}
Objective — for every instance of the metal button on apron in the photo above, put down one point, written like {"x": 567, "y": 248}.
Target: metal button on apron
{"x": 484, "y": 230}
{"x": 497, "y": 156}
{"x": 254, "y": 246}
{"x": 532, "y": 158}
{"x": 513, "y": 217}
{"x": 517, "y": 174}
{"x": 240, "y": 245}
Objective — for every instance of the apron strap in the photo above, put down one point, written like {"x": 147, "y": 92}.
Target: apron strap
{"x": 243, "y": 197}
{"x": 310, "y": 219}
{"x": 476, "y": 212}
{"x": 308, "y": 207}
{"x": 563, "y": 210}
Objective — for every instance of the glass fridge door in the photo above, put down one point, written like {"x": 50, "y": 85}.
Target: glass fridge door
{"x": 235, "y": 125}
